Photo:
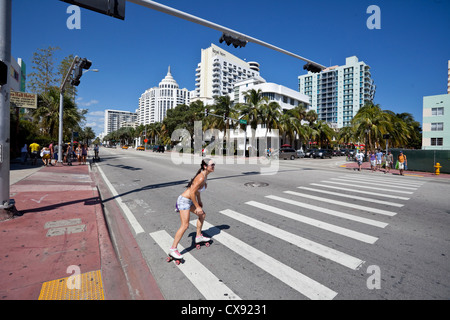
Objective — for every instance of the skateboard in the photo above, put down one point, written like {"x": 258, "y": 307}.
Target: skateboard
{"x": 177, "y": 261}
{"x": 206, "y": 243}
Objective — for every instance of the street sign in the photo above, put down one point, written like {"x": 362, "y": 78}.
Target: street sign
{"x": 23, "y": 100}
{"x": 242, "y": 121}
{"x": 145, "y": 140}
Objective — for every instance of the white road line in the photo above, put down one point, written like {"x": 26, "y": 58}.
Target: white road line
{"x": 330, "y": 212}
{"x": 342, "y": 203}
{"x": 296, "y": 280}
{"x": 381, "y": 184}
{"x": 317, "y": 223}
{"x": 358, "y": 184}
{"x": 204, "y": 280}
{"x": 130, "y": 216}
{"x": 361, "y": 191}
{"x": 388, "y": 203}
{"x": 382, "y": 180}
{"x": 305, "y": 244}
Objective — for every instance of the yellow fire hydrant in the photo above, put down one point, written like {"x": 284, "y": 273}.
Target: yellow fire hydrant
{"x": 438, "y": 166}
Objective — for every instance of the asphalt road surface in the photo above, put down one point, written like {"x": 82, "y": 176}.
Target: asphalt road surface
{"x": 312, "y": 230}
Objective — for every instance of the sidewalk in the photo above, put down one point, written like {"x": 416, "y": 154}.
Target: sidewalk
{"x": 59, "y": 248}
{"x": 353, "y": 165}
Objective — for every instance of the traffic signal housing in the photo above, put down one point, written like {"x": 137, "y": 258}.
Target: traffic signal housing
{"x": 312, "y": 68}
{"x": 83, "y": 64}
{"x": 3, "y": 73}
{"x": 229, "y": 39}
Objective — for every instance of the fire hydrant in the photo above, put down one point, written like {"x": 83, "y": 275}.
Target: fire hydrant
{"x": 438, "y": 166}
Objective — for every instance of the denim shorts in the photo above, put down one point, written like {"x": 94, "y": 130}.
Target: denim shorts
{"x": 183, "y": 203}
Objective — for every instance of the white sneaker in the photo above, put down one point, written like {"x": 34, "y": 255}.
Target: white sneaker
{"x": 201, "y": 238}
{"x": 173, "y": 252}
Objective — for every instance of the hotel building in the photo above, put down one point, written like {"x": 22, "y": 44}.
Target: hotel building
{"x": 115, "y": 119}
{"x": 338, "y": 92}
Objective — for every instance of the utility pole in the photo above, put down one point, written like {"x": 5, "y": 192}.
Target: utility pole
{"x": 7, "y": 207}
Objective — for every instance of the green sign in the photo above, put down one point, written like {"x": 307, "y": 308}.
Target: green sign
{"x": 243, "y": 121}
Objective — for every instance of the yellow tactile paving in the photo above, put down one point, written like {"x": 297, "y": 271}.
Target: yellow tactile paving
{"x": 90, "y": 288}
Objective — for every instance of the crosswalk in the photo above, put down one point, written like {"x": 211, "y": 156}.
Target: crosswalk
{"x": 357, "y": 196}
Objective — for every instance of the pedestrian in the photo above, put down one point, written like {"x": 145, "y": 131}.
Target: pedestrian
{"x": 78, "y": 153}
{"x": 50, "y": 147}
{"x": 373, "y": 161}
{"x": 24, "y": 154}
{"x": 34, "y": 148}
{"x": 379, "y": 158}
{"x": 389, "y": 162}
{"x": 84, "y": 150}
{"x": 190, "y": 201}
{"x": 359, "y": 158}
{"x": 46, "y": 156}
{"x": 402, "y": 162}
{"x": 69, "y": 154}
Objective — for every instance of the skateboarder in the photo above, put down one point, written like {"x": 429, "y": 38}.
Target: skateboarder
{"x": 190, "y": 201}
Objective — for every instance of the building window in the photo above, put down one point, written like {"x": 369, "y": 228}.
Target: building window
{"x": 437, "y": 126}
{"x": 437, "y": 111}
{"x": 437, "y": 141}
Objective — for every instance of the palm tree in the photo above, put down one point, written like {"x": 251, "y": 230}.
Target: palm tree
{"x": 270, "y": 113}
{"x": 251, "y": 109}
{"x": 324, "y": 133}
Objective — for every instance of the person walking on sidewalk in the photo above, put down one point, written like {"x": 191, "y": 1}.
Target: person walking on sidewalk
{"x": 34, "y": 148}
{"x": 24, "y": 154}
{"x": 84, "y": 150}
{"x": 78, "y": 153}
{"x": 379, "y": 158}
{"x": 190, "y": 201}
{"x": 46, "y": 156}
{"x": 373, "y": 161}
{"x": 389, "y": 162}
{"x": 402, "y": 162}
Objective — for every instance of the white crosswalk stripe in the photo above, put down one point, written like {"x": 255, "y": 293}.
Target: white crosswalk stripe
{"x": 341, "y": 203}
{"x": 317, "y": 223}
{"x": 384, "y": 180}
{"x": 374, "y": 183}
{"x": 361, "y": 191}
{"x": 367, "y": 187}
{"x": 296, "y": 280}
{"x": 207, "y": 283}
{"x": 308, "y": 245}
{"x": 388, "y": 203}
{"x": 329, "y": 211}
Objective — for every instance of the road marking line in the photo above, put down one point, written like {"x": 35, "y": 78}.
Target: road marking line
{"x": 388, "y": 203}
{"x": 361, "y": 191}
{"x": 330, "y": 212}
{"x": 383, "y": 180}
{"x": 380, "y": 183}
{"x": 204, "y": 280}
{"x": 342, "y": 203}
{"x": 367, "y": 187}
{"x": 296, "y": 280}
{"x": 130, "y": 216}
{"x": 305, "y": 244}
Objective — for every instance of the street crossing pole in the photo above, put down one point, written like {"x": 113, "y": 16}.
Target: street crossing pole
{"x": 7, "y": 207}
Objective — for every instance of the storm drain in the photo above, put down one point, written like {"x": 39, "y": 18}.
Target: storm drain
{"x": 256, "y": 184}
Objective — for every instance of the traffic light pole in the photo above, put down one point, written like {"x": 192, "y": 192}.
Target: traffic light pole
{"x": 183, "y": 15}
{"x": 7, "y": 207}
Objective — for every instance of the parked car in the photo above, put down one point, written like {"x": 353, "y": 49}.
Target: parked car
{"x": 124, "y": 147}
{"x": 158, "y": 149}
{"x": 288, "y": 153}
{"x": 309, "y": 153}
{"x": 141, "y": 148}
{"x": 322, "y": 153}
{"x": 336, "y": 153}
{"x": 300, "y": 153}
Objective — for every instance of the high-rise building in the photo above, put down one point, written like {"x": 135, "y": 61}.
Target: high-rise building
{"x": 218, "y": 71}
{"x": 154, "y": 102}
{"x": 115, "y": 119}
{"x": 338, "y": 92}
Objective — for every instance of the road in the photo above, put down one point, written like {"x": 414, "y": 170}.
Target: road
{"x": 313, "y": 230}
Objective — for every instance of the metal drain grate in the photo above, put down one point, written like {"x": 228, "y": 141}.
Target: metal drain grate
{"x": 256, "y": 184}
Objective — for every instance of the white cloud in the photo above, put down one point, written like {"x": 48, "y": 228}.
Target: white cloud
{"x": 86, "y": 104}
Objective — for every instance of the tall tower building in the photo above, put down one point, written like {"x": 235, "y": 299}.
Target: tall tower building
{"x": 338, "y": 92}
{"x": 154, "y": 102}
{"x": 218, "y": 71}
{"x": 115, "y": 119}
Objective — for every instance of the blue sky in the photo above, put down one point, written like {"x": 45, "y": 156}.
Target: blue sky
{"x": 408, "y": 55}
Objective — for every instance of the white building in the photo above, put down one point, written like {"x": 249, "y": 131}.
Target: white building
{"x": 114, "y": 119}
{"x": 338, "y": 92}
{"x": 285, "y": 97}
{"x": 218, "y": 71}
{"x": 154, "y": 102}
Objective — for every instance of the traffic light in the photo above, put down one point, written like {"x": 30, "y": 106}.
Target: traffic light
{"x": 312, "y": 67}
{"x": 236, "y": 42}
{"x": 113, "y": 8}
{"x": 206, "y": 112}
{"x": 3, "y": 73}
{"x": 78, "y": 70}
